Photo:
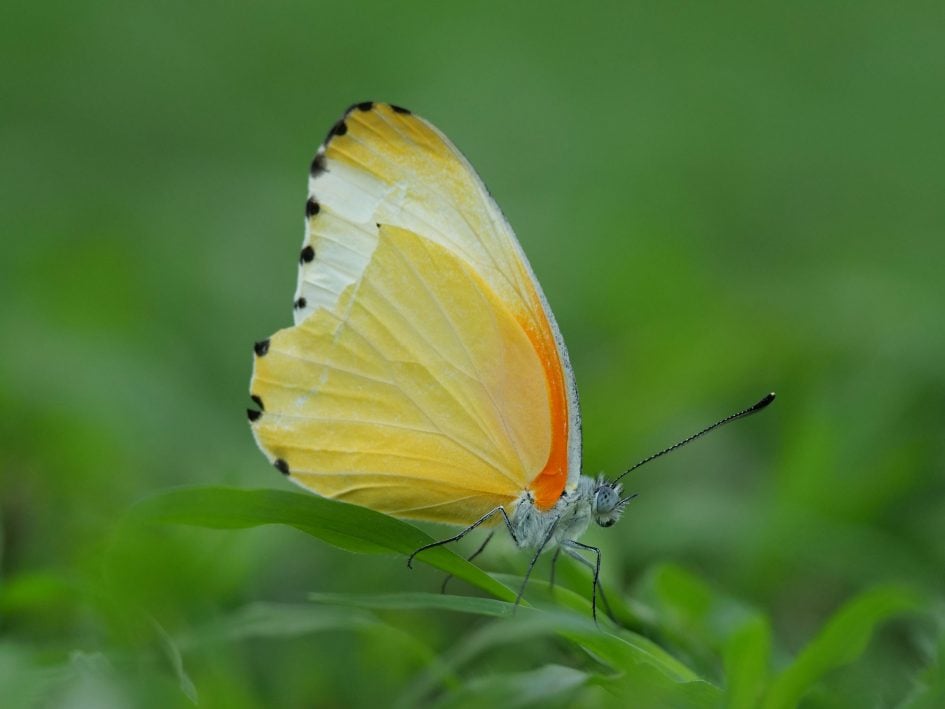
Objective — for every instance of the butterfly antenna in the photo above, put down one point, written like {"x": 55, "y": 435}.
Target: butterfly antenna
{"x": 753, "y": 409}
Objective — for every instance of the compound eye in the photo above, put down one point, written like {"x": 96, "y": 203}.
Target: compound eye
{"x": 605, "y": 500}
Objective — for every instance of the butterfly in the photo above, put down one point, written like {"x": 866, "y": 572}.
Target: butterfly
{"x": 424, "y": 376}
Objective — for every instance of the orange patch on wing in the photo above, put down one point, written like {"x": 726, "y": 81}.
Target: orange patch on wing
{"x": 550, "y": 482}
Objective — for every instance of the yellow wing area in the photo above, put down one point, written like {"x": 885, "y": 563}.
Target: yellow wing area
{"x": 418, "y": 394}
{"x": 382, "y": 165}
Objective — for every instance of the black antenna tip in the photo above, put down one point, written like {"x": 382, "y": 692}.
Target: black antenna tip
{"x": 764, "y": 402}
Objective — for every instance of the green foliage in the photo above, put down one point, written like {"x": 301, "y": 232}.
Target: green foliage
{"x": 345, "y": 526}
{"x": 841, "y": 641}
{"x": 719, "y": 200}
{"x": 622, "y": 664}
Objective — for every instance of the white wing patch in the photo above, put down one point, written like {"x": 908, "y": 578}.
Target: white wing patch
{"x": 405, "y": 174}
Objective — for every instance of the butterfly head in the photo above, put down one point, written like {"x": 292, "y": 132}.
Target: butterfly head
{"x": 607, "y": 505}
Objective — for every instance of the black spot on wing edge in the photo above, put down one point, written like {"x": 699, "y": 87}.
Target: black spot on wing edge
{"x": 401, "y": 109}
{"x": 311, "y": 208}
{"x": 281, "y": 466}
{"x": 340, "y": 128}
{"x": 318, "y": 165}
{"x": 300, "y": 303}
{"x": 253, "y": 414}
{"x": 261, "y": 347}
{"x": 307, "y": 255}
{"x": 362, "y": 106}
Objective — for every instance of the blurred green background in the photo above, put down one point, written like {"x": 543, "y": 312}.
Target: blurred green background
{"x": 719, "y": 199}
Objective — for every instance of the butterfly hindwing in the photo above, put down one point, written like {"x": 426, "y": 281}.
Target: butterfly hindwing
{"x": 419, "y": 394}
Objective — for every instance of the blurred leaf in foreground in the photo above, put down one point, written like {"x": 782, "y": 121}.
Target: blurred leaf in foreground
{"x": 841, "y": 641}
{"x": 349, "y": 527}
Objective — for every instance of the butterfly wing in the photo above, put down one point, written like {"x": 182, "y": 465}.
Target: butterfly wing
{"x": 418, "y": 393}
{"x": 386, "y": 173}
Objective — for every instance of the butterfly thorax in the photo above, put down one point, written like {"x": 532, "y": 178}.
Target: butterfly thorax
{"x": 568, "y": 519}
{"x": 597, "y": 500}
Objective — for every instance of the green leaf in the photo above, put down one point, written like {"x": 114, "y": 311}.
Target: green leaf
{"x": 635, "y": 690}
{"x": 637, "y": 662}
{"x": 930, "y": 687}
{"x": 348, "y": 527}
{"x": 417, "y": 601}
{"x": 702, "y": 622}
{"x": 172, "y": 652}
{"x": 290, "y": 620}
{"x": 274, "y": 620}
{"x": 747, "y": 653}
{"x": 44, "y": 591}
{"x": 840, "y": 642}
{"x": 550, "y": 683}
{"x": 641, "y": 668}
{"x": 25, "y": 679}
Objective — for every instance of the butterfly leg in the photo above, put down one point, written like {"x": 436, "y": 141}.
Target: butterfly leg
{"x": 468, "y": 558}
{"x": 531, "y": 564}
{"x": 457, "y": 537}
{"x": 554, "y": 562}
{"x": 571, "y": 549}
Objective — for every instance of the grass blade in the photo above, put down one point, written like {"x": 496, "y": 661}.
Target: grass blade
{"x": 551, "y": 683}
{"x": 417, "y": 601}
{"x": 348, "y": 527}
{"x": 840, "y": 642}
{"x": 746, "y": 654}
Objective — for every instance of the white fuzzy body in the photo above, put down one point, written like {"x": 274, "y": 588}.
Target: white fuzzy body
{"x": 566, "y": 521}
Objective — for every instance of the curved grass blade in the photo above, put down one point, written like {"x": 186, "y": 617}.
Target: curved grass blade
{"x": 647, "y": 649}
{"x": 348, "y": 527}
{"x": 417, "y": 601}
{"x": 637, "y": 671}
{"x": 635, "y": 660}
{"x": 746, "y": 654}
{"x": 840, "y": 642}
{"x": 290, "y": 620}
{"x": 27, "y": 678}
{"x": 929, "y": 691}
{"x": 550, "y": 683}
{"x": 274, "y": 620}
{"x": 173, "y": 654}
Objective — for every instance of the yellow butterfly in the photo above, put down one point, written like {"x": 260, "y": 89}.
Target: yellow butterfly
{"x": 425, "y": 376}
